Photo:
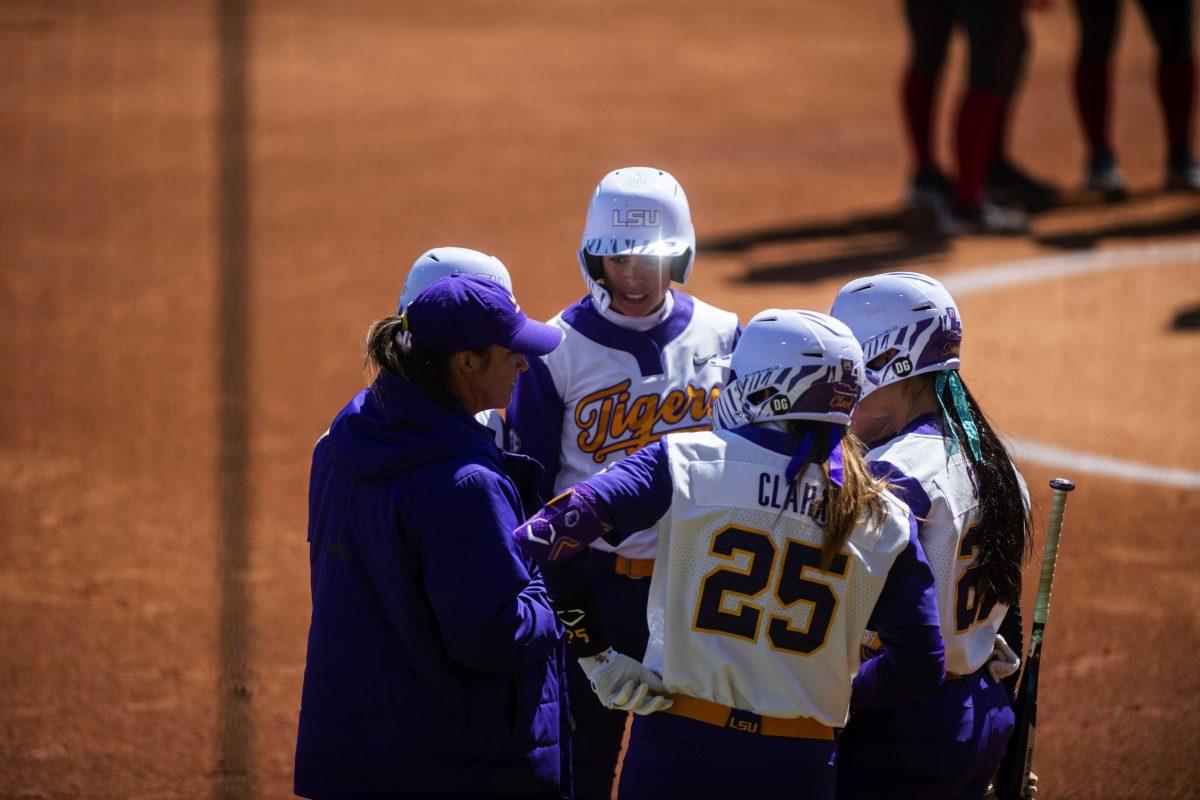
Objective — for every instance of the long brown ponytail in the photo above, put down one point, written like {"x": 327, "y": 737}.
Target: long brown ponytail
{"x": 427, "y": 369}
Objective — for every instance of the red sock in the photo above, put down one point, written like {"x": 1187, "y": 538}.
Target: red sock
{"x": 1093, "y": 82}
{"x": 1177, "y": 94}
{"x": 920, "y": 98}
{"x": 1002, "y": 119}
{"x": 976, "y": 140}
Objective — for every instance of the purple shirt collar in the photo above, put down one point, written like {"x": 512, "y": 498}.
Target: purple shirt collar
{"x": 799, "y": 448}
{"x": 645, "y": 346}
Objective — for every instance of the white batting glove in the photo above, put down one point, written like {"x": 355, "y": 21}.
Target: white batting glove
{"x": 625, "y": 684}
{"x": 1003, "y": 662}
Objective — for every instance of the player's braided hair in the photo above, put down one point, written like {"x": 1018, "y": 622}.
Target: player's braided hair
{"x": 1002, "y": 516}
{"x": 427, "y": 369}
{"x": 855, "y": 501}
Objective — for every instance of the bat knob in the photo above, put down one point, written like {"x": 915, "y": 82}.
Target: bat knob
{"x": 1062, "y": 485}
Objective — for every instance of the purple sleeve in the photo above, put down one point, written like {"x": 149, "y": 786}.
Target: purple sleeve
{"x": 493, "y": 615}
{"x": 636, "y": 491}
{"x": 913, "y": 662}
{"x": 908, "y": 489}
{"x": 536, "y": 416}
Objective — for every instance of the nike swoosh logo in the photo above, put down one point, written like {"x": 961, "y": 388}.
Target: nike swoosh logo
{"x": 700, "y": 361}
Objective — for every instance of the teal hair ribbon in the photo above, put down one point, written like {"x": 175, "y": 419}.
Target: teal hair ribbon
{"x": 959, "y": 398}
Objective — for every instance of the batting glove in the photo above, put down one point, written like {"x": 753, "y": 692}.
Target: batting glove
{"x": 565, "y": 526}
{"x": 625, "y": 684}
{"x": 1003, "y": 662}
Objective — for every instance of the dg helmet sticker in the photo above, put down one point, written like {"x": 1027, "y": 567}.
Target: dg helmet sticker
{"x": 902, "y": 366}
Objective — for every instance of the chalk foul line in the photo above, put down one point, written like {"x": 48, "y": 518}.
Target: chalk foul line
{"x": 999, "y": 276}
{"x": 1049, "y": 455}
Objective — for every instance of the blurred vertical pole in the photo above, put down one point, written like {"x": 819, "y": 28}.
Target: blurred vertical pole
{"x": 235, "y": 735}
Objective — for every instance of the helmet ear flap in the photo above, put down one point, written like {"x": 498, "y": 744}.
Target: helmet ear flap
{"x": 594, "y": 265}
{"x": 681, "y": 265}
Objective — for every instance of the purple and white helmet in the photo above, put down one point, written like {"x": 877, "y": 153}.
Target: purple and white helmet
{"x": 791, "y": 365}
{"x": 906, "y": 322}
{"x": 638, "y": 211}
{"x": 442, "y": 262}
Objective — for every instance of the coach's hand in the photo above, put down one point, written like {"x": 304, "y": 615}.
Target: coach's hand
{"x": 625, "y": 684}
{"x": 1003, "y": 662}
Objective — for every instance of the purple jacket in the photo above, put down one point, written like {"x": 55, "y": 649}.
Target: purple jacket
{"x": 435, "y": 665}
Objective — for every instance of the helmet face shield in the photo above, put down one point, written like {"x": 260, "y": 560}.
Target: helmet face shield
{"x": 636, "y": 285}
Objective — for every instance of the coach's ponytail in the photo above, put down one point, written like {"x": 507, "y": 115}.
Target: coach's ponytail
{"x": 1003, "y": 515}
{"x": 857, "y": 498}
{"x": 383, "y": 351}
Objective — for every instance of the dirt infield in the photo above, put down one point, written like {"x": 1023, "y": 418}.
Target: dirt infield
{"x": 202, "y": 206}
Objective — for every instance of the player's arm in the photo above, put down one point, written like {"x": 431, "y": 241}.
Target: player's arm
{"x": 913, "y": 662}
{"x": 493, "y": 615}
{"x": 536, "y": 415}
{"x": 903, "y": 486}
{"x": 627, "y": 497}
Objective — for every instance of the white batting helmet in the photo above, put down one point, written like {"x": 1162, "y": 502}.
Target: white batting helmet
{"x": 791, "y": 365}
{"x": 441, "y": 262}
{"x": 636, "y": 211}
{"x": 906, "y": 322}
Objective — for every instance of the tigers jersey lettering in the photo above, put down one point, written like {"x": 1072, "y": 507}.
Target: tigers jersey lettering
{"x": 610, "y": 420}
{"x": 740, "y": 611}
{"x": 620, "y": 390}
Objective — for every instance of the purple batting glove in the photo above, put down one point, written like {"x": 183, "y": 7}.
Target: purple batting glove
{"x": 565, "y": 526}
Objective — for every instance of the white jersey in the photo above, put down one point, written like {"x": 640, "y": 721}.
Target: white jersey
{"x": 615, "y": 401}
{"x": 493, "y": 420}
{"x": 945, "y": 530}
{"x": 740, "y": 613}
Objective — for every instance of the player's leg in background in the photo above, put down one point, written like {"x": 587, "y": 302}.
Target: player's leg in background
{"x": 596, "y": 742}
{"x": 1006, "y": 182}
{"x": 1170, "y": 23}
{"x": 993, "y": 29}
{"x": 929, "y": 23}
{"x": 1099, "y": 21}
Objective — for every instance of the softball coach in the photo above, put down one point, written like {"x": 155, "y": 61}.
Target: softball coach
{"x": 434, "y": 660}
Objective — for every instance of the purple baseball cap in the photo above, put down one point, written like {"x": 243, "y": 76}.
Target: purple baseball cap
{"x": 467, "y": 312}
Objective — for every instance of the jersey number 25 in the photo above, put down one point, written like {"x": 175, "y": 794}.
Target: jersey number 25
{"x": 792, "y": 587}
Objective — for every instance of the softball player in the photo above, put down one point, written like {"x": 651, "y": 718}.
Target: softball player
{"x": 982, "y": 197}
{"x": 438, "y": 263}
{"x": 931, "y": 441}
{"x": 634, "y": 365}
{"x": 776, "y": 549}
{"x": 1172, "y": 26}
